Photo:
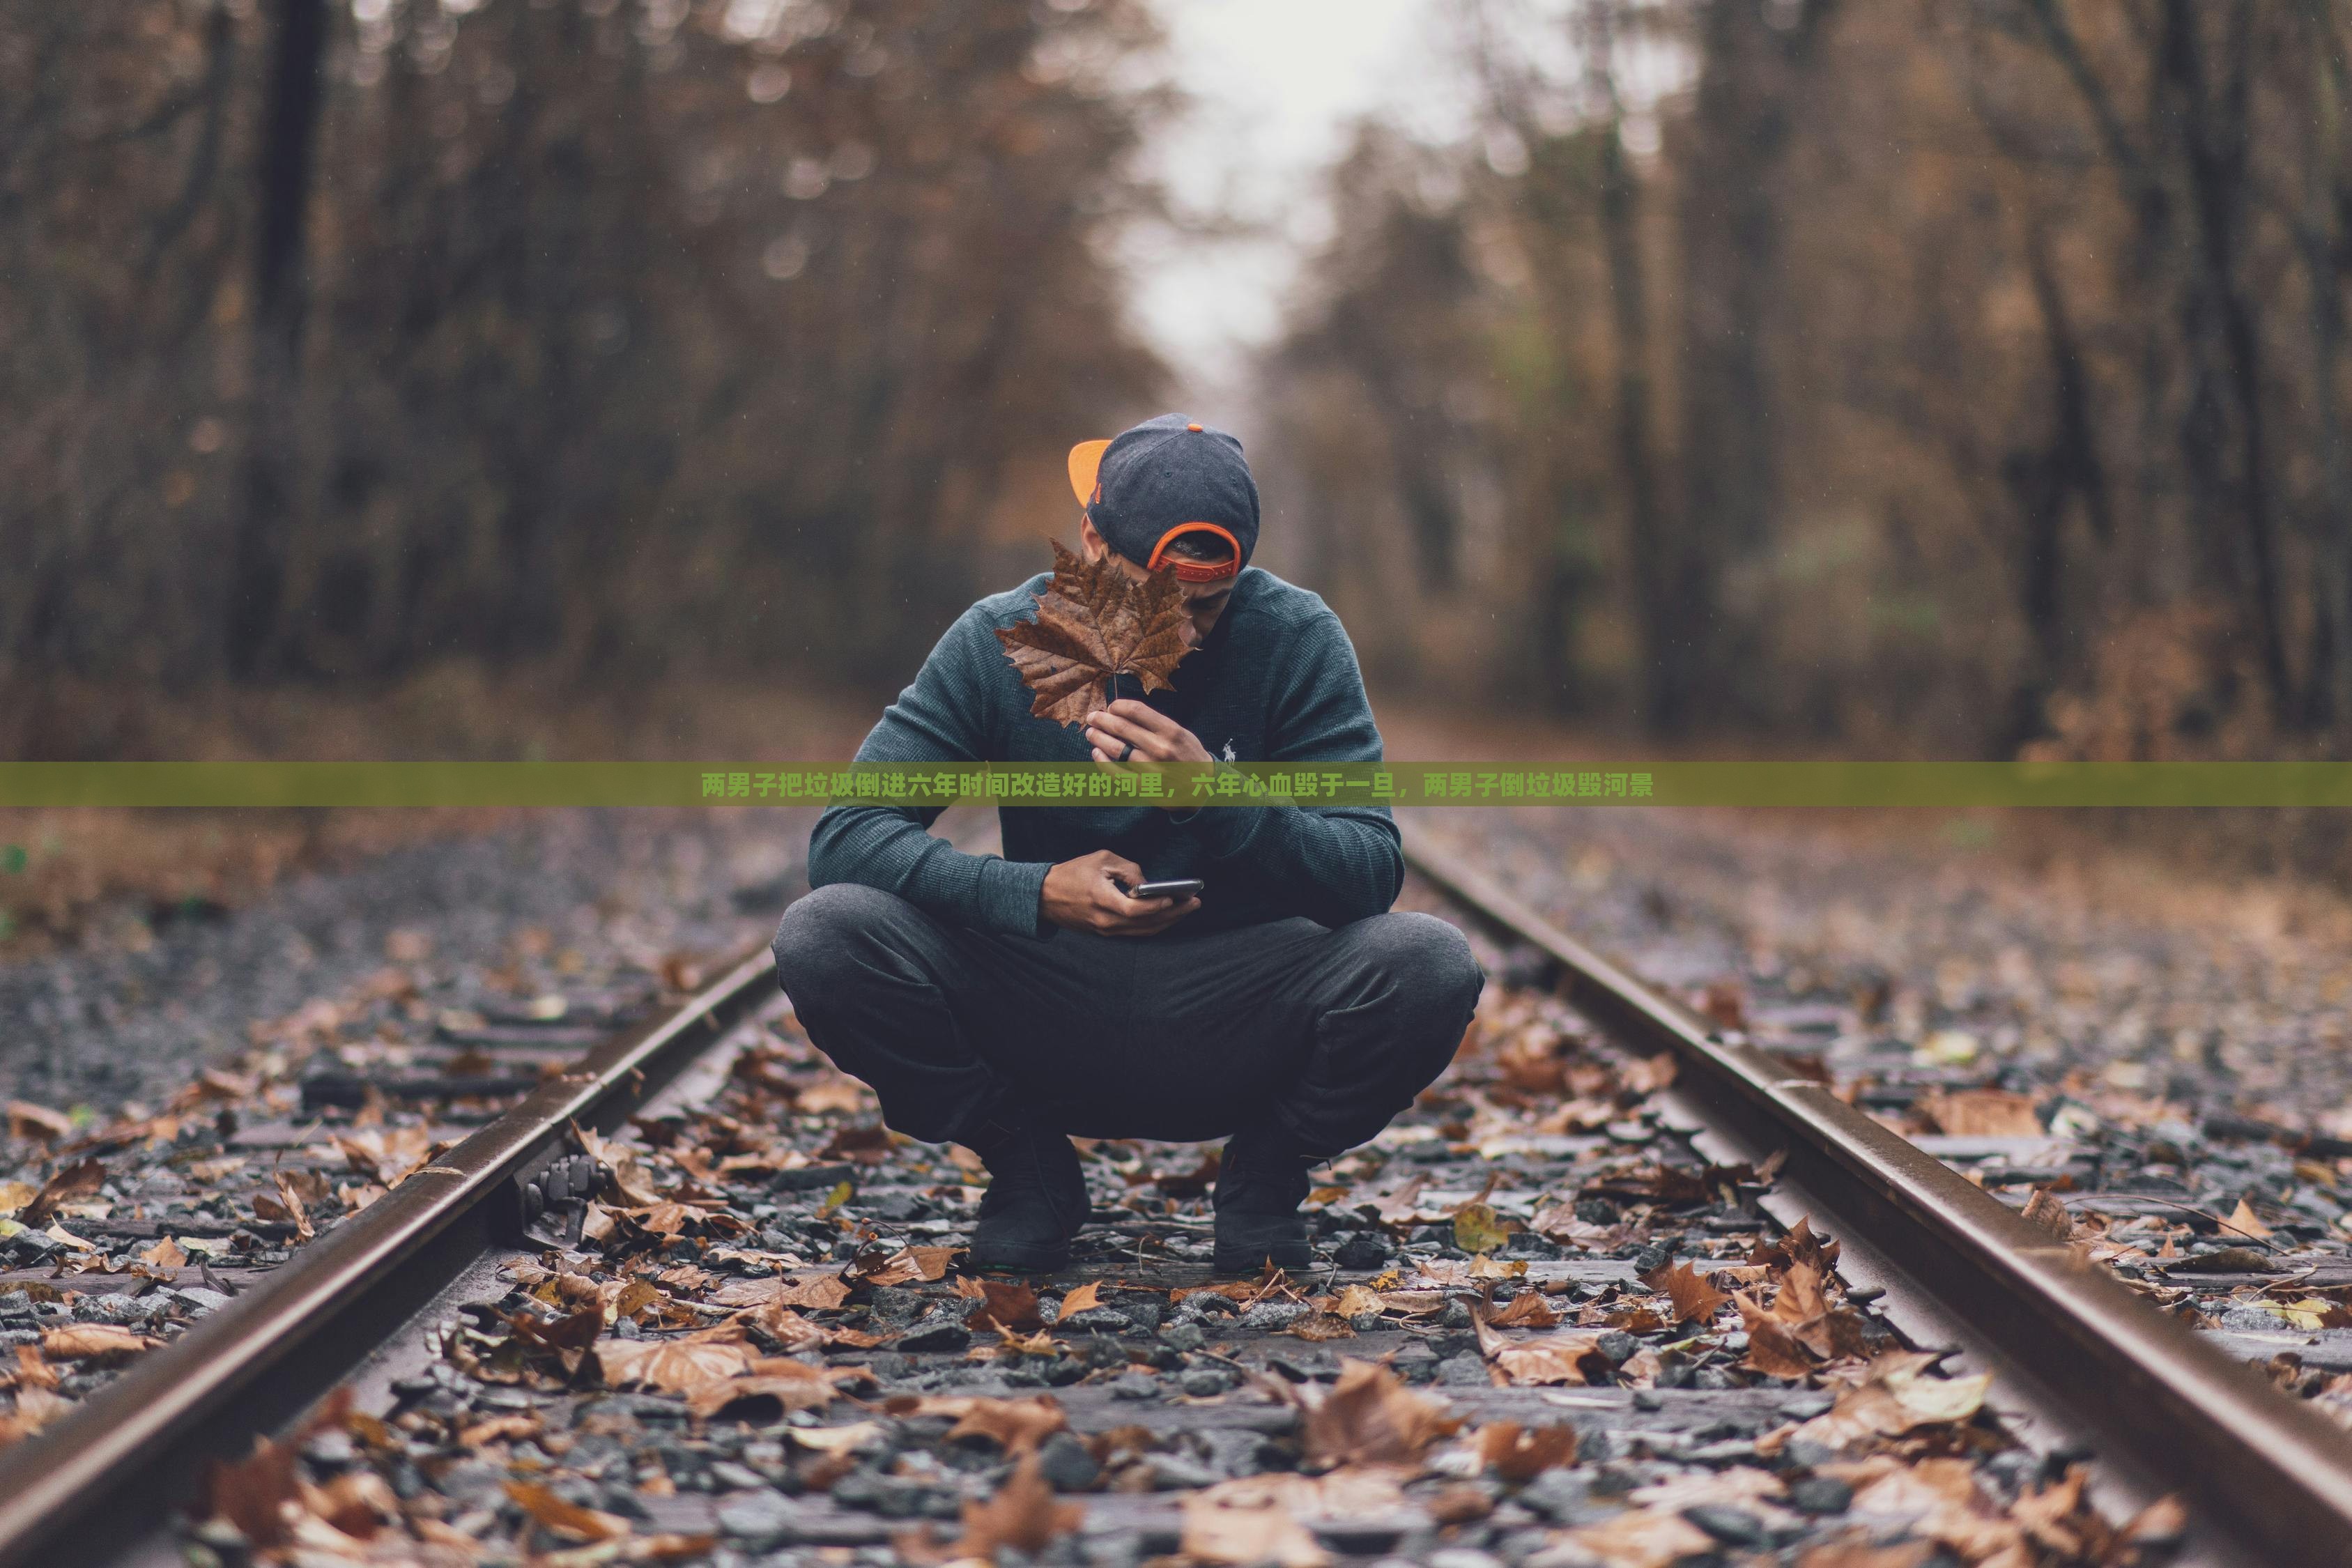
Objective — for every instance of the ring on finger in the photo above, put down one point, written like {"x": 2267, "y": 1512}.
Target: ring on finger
{"x": 1129, "y": 752}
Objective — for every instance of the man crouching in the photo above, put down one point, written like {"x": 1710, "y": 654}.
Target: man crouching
{"x": 1007, "y": 1002}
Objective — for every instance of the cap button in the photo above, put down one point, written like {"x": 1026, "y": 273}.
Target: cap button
{"x": 1193, "y": 427}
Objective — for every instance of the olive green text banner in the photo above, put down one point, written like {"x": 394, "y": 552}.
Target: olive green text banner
{"x": 1942, "y": 785}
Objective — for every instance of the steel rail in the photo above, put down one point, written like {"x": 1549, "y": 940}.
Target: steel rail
{"x": 2269, "y": 1471}
{"x": 114, "y": 1468}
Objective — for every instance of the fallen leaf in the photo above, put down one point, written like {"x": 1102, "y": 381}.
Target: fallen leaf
{"x": 1016, "y": 1425}
{"x": 816, "y": 1292}
{"x": 1894, "y": 1397}
{"x": 1695, "y": 1300}
{"x": 256, "y": 1493}
{"x": 32, "y": 1372}
{"x": 37, "y": 1123}
{"x": 1321, "y": 1328}
{"x": 1642, "y": 1538}
{"x": 1249, "y": 1522}
{"x": 676, "y": 1366}
{"x": 565, "y": 1518}
{"x": 1982, "y": 1113}
{"x": 1548, "y": 1359}
{"x": 77, "y": 1180}
{"x": 1005, "y": 1305}
{"x": 1354, "y": 1300}
{"x": 2242, "y": 1221}
{"x": 1371, "y": 1417}
{"x": 1527, "y": 1310}
{"x": 909, "y": 1264}
{"x": 1085, "y": 1298}
{"x": 1520, "y": 1453}
{"x": 93, "y": 1341}
{"x": 15, "y": 1195}
{"x": 792, "y": 1384}
{"x": 502, "y": 1429}
{"x": 166, "y": 1254}
{"x": 2046, "y": 1213}
{"x": 1094, "y": 622}
{"x": 835, "y": 1439}
{"x": 1860, "y": 1554}
{"x": 1477, "y": 1229}
{"x": 1023, "y": 1514}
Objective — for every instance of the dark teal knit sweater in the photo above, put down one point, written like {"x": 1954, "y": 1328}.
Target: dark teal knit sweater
{"x": 1274, "y": 681}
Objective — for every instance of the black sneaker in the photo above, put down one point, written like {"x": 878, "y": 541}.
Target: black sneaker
{"x": 1036, "y": 1200}
{"x": 1260, "y": 1182}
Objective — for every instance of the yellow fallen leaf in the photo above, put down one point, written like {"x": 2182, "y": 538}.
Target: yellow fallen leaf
{"x": 1085, "y": 1298}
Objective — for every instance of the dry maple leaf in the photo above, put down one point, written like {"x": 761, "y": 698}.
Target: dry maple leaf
{"x": 1371, "y": 1417}
{"x": 1094, "y": 622}
{"x": 1553, "y": 1358}
{"x": 792, "y": 1384}
{"x": 1085, "y": 1298}
{"x": 1011, "y": 1308}
{"x": 2046, "y": 1213}
{"x": 1695, "y": 1300}
{"x": 1023, "y": 1514}
{"x": 1895, "y": 1397}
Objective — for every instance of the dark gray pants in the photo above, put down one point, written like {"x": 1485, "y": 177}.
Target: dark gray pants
{"x": 1328, "y": 1033}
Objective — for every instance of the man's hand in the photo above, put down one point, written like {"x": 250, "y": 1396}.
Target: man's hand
{"x": 1155, "y": 737}
{"x": 1080, "y": 896}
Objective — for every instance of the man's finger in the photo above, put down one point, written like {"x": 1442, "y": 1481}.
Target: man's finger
{"x": 1109, "y": 731}
{"x": 1144, "y": 714}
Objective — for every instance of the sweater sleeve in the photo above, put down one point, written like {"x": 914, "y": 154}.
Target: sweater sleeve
{"x": 943, "y": 717}
{"x": 1345, "y": 862}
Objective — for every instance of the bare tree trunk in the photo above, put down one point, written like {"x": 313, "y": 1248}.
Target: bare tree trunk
{"x": 281, "y": 278}
{"x": 1751, "y": 54}
{"x": 1664, "y": 624}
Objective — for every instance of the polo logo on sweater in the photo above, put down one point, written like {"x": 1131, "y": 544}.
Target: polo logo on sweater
{"x": 1229, "y": 750}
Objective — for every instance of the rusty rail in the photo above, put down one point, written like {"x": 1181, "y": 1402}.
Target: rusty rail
{"x": 115, "y": 1469}
{"x": 2268, "y": 1470}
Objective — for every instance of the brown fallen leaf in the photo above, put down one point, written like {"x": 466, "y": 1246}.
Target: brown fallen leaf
{"x": 1094, "y": 622}
{"x": 2046, "y": 1213}
{"x": 502, "y": 1429}
{"x": 93, "y": 1341}
{"x": 1773, "y": 1347}
{"x": 1083, "y": 1298}
{"x": 1695, "y": 1300}
{"x": 1023, "y": 1514}
{"x": 1896, "y": 1395}
{"x": 1982, "y": 1113}
{"x": 1249, "y": 1522}
{"x": 1015, "y": 1425}
{"x": 676, "y": 1366}
{"x": 912, "y": 1264}
{"x": 792, "y": 1384}
{"x": 567, "y": 1518}
{"x": 1527, "y": 1310}
{"x": 1797, "y": 1244}
{"x": 1859, "y": 1553}
{"x": 77, "y": 1180}
{"x": 166, "y": 1253}
{"x": 37, "y": 1123}
{"x": 1371, "y": 1417}
{"x": 1642, "y": 1538}
{"x": 257, "y": 1492}
{"x": 1321, "y": 1328}
{"x": 1478, "y": 1229}
{"x": 2242, "y": 1221}
{"x": 1005, "y": 1305}
{"x": 32, "y": 1372}
{"x": 1554, "y": 1358}
{"x": 1520, "y": 1453}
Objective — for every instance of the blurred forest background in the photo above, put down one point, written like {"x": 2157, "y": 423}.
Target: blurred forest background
{"x": 1942, "y": 377}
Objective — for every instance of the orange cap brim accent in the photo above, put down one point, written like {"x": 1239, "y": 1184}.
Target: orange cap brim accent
{"x": 1196, "y": 571}
{"x": 1085, "y": 460}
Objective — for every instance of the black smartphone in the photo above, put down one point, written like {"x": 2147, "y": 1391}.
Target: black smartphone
{"x": 1174, "y": 887}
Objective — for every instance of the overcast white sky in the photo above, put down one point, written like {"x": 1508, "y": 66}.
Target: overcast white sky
{"x": 1276, "y": 84}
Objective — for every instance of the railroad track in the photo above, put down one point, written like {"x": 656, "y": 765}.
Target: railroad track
{"x": 2074, "y": 1354}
